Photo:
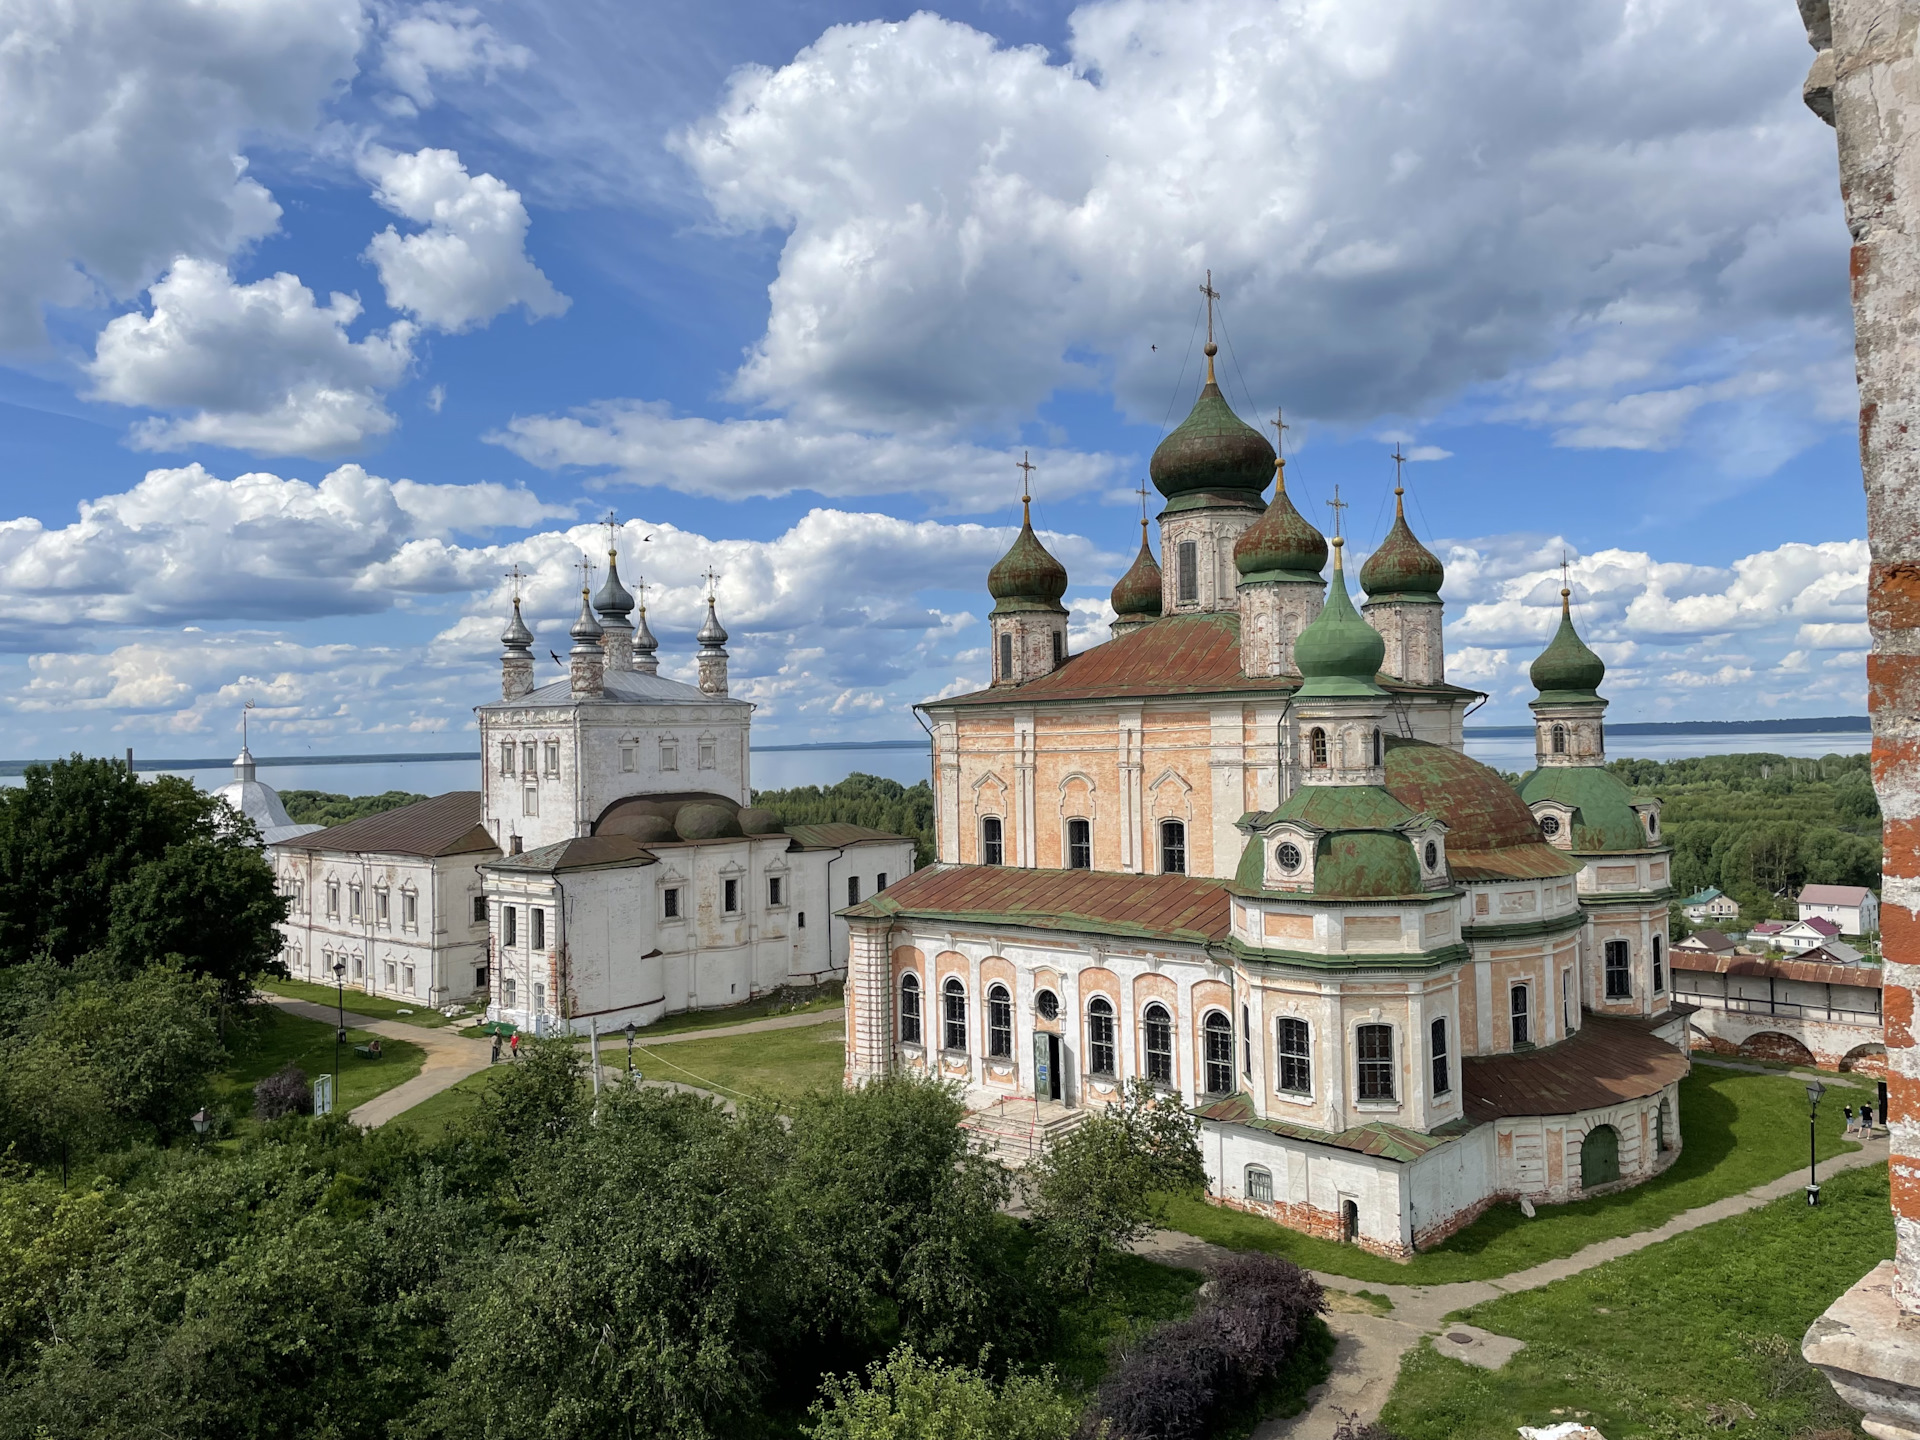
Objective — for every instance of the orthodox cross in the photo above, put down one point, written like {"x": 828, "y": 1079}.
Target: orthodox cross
{"x": 1279, "y": 427}
{"x": 1142, "y": 493}
{"x": 712, "y": 577}
{"x": 1565, "y": 588}
{"x": 1026, "y": 467}
{"x": 243, "y": 723}
{"x": 1336, "y": 504}
{"x": 516, "y": 576}
{"x": 1212, "y": 295}
{"x": 585, "y": 567}
{"x": 1398, "y": 461}
{"x": 612, "y": 523}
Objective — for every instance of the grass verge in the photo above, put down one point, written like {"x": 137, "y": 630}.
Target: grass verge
{"x": 613, "y": 1044}
{"x": 436, "y": 1114}
{"x": 1693, "y": 1336}
{"x": 278, "y": 1038}
{"x": 778, "y": 1063}
{"x": 1740, "y": 1130}
{"x": 374, "y": 1007}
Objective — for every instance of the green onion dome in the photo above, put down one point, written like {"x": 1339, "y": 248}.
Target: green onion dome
{"x": 1567, "y": 669}
{"x": 1027, "y": 576}
{"x": 1213, "y": 450}
{"x": 1138, "y": 594}
{"x": 1281, "y": 544}
{"x": 1339, "y": 653}
{"x": 1402, "y": 565}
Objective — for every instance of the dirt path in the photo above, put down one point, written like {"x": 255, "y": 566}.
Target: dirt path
{"x": 1367, "y": 1360}
{"x": 451, "y": 1057}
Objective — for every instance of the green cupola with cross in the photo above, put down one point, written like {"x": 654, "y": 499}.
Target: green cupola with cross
{"x": 1028, "y": 622}
{"x": 1402, "y": 579}
{"x": 1279, "y": 561}
{"x": 1212, "y": 469}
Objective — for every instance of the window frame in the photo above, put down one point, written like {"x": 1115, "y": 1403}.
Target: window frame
{"x": 1173, "y": 847}
{"x": 1006, "y": 654}
{"x": 1186, "y": 572}
{"x": 1374, "y": 1072}
{"x": 670, "y": 903}
{"x": 1157, "y": 1049}
{"x": 1520, "y": 1014}
{"x": 730, "y": 895}
{"x": 1659, "y": 967}
{"x": 853, "y": 889}
{"x": 1437, "y": 1053}
{"x": 1216, "y": 1069}
{"x": 1079, "y": 843}
{"x": 1317, "y": 750}
{"x": 999, "y": 1022}
{"x": 1256, "y": 1179}
{"x": 550, "y": 766}
{"x": 774, "y": 892}
{"x": 509, "y": 927}
{"x": 993, "y": 840}
{"x": 1557, "y": 740}
{"x": 1103, "y": 1041}
{"x": 536, "y": 927}
{"x": 1623, "y": 970}
{"x": 410, "y": 909}
{"x": 953, "y": 1016}
{"x": 1293, "y": 1066}
{"x": 910, "y": 1027}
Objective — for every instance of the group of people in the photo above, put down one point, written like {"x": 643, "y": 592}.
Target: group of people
{"x": 1864, "y": 1126}
{"x": 513, "y": 1047}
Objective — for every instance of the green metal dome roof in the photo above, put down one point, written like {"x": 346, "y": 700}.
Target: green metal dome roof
{"x": 1281, "y": 544}
{"x": 1364, "y": 853}
{"x": 1212, "y": 451}
{"x": 1567, "y": 669}
{"x": 1027, "y": 577}
{"x": 1339, "y": 653}
{"x": 1402, "y": 566}
{"x": 1138, "y": 594}
{"x": 1604, "y": 819}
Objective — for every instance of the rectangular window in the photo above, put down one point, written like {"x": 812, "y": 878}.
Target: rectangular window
{"x": 1188, "y": 569}
{"x": 539, "y": 998}
{"x": 1373, "y": 1044}
{"x": 1173, "y": 847}
{"x": 626, "y": 759}
{"x": 509, "y": 992}
{"x": 853, "y": 890}
{"x": 392, "y": 981}
{"x": 879, "y": 882}
{"x": 1521, "y": 1016}
{"x": 479, "y": 909}
{"x": 730, "y": 896}
{"x": 479, "y": 977}
{"x": 1442, "y": 1077}
{"x": 537, "y": 924}
{"x": 1259, "y": 1184}
{"x": 527, "y": 761}
{"x": 1079, "y": 844}
{"x": 1059, "y": 647}
{"x": 1246, "y": 1042}
{"x": 1659, "y": 967}
{"x": 506, "y": 757}
{"x": 1006, "y": 656}
{"x": 670, "y": 902}
{"x": 409, "y": 909}
{"x": 359, "y": 969}
{"x": 773, "y": 890}
{"x": 380, "y": 910}
{"x": 553, "y": 758}
{"x": 706, "y": 754}
{"x": 530, "y": 801}
{"x": 802, "y": 921}
{"x": 991, "y": 852}
{"x": 1619, "y": 975}
{"x": 669, "y": 755}
{"x": 333, "y": 899}
{"x": 510, "y": 926}
{"x": 353, "y": 901}
{"x": 406, "y": 978}
{"x": 1296, "y": 1058}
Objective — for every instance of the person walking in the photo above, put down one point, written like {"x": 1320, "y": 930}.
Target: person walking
{"x": 494, "y": 1059}
{"x": 513, "y": 1046}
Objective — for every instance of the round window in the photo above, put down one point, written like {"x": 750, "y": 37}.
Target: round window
{"x": 1549, "y": 825}
{"x": 1287, "y": 857}
{"x": 1048, "y": 1004}
{"x": 1653, "y": 824}
{"x": 1433, "y": 856}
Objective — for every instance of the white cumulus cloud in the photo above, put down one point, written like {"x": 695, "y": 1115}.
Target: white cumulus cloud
{"x": 443, "y": 41}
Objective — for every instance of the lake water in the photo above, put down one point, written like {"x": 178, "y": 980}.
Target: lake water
{"x": 781, "y": 769}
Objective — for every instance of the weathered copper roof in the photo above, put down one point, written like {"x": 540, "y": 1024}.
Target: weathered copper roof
{"x": 834, "y": 834}
{"x": 1388, "y": 1142}
{"x": 1607, "y": 1060}
{"x": 1538, "y": 861}
{"x": 1167, "y": 907}
{"x": 445, "y": 825}
{"x": 1762, "y": 967}
{"x": 1482, "y": 811}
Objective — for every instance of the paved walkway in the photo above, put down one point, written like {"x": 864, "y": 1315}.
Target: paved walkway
{"x": 1367, "y": 1360}
{"x": 451, "y": 1057}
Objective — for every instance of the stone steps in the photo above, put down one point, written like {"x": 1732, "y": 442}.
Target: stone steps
{"x": 1014, "y": 1132}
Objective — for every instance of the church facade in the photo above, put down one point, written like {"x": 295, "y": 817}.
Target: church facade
{"x": 1238, "y": 850}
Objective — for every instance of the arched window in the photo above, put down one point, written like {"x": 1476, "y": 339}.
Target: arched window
{"x": 1442, "y": 1076}
{"x": 1379, "y": 756}
{"x": 1559, "y": 739}
{"x": 1659, "y": 970}
{"x": 999, "y": 1023}
{"x": 1100, "y": 1047}
{"x": 1295, "y": 1052}
{"x": 1173, "y": 847}
{"x": 1317, "y": 747}
{"x": 509, "y": 993}
{"x": 1218, "y": 1030}
{"x": 1006, "y": 655}
{"x": 910, "y": 1009}
{"x": 1159, "y": 1028}
{"x": 1373, "y": 1047}
{"x": 1079, "y": 844}
{"x": 954, "y": 997}
{"x": 1521, "y": 1016}
{"x": 992, "y": 850}
{"x": 1260, "y": 1184}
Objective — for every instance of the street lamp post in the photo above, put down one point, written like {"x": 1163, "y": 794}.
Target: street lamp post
{"x": 340, "y": 1033}
{"x": 632, "y": 1030}
{"x": 1814, "y": 1091}
{"x": 200, "y": 1121}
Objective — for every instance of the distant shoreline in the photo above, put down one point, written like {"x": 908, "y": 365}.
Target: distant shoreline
{"x": 1821, "y": 725}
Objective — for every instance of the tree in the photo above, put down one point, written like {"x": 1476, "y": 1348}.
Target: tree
{"x": 1099, "y": 1185}
{"x": 906, "y": 1397}
{"x": 211, "y": 902}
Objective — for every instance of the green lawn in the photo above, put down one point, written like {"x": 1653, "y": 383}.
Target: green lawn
{"x": 780, "y": 1063}
{"x": 1673, "y": 1341}
{"x": 374, "y": 1007}
{"x": 1740, "y": 1130}
{"x": 279, "y": 1037}
{"x": 756, "y": 1009}
{"x": 432, "y": 1117}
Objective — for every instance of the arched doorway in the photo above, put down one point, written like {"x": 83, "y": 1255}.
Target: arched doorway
{"x": 1772, "y": 1045}
{"x": 1600, "y": 1157}
{"x": 1349, "y": 1220}
{"x": 1867, "y": 1059}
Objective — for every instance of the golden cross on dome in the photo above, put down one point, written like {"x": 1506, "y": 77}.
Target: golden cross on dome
{"x": 1336, "y": 504}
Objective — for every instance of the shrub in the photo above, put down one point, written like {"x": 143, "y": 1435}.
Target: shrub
{"x": 906, "y": 1395}
{"x": 285, "y": 1092}
{"x": 1186, "y": 1378}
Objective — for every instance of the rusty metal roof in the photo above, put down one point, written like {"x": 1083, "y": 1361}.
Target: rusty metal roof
{"x": 445, "y": 825}
{"x": 1174, "y": 655}
{"x": 1607, "y": 1060}
{"x": 1761, "y": 967}
{"x": 834, "y": 834}
{"x": 1166, "y": 907}
{"x": 587, "y": 852}
{"x": 1538, "y": 861}
{"x": 1381, "y": 1139}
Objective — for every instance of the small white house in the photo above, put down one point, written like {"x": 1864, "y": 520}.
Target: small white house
{"x": 1709, "y": 905}
{"x": 1854, "y": 908}
{"x": 1804, "y": 935}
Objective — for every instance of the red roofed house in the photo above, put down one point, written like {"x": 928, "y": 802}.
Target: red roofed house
{"x": 1805, "y": 934}
{"x": 1237, "y": 851}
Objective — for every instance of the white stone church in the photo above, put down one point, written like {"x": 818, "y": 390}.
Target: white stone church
{"x": 1238, "y": 850}
{"x": 609, "y": 869}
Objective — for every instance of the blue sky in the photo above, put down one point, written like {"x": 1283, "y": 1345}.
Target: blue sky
{"x": 326, "y": 313}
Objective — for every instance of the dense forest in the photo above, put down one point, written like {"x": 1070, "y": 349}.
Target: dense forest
{"x": 1760, "y": 826}
{"x": 318, "y": 807}
{"x": 861, "y": 800}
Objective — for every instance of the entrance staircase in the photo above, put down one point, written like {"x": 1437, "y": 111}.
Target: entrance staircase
{"x": 1015, "y": 1131}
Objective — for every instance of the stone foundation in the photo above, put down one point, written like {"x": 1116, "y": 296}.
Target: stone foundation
{"x": 1871, "y": 1353}
{"x": 1311, "y": 1220}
